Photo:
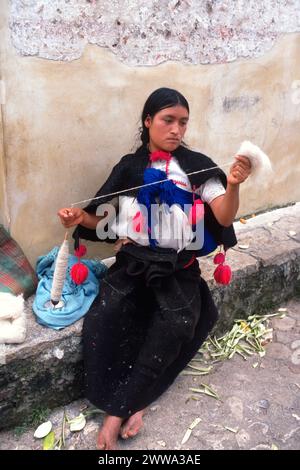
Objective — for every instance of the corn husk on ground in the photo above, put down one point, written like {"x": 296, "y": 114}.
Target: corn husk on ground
{"x": 247, "y": 337}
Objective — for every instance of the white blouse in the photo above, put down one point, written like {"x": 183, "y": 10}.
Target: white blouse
{"x": 173, "y": 229}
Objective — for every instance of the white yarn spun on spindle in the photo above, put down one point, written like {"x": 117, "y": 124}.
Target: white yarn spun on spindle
{"x": 60, "y": 271}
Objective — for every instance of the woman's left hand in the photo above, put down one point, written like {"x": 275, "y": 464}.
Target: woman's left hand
{"x": 239, "y": 171}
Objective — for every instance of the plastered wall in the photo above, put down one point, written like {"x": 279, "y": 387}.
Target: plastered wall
{"x": 75, "y": 87}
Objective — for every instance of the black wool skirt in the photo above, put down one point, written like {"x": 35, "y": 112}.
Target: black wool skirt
{"x": 152, "y": 315}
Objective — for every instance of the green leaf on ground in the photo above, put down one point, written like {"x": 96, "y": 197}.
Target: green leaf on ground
{"x": 49, "y": 441}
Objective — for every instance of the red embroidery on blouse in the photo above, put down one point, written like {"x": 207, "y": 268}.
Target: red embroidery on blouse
{"x": 179, "y": 182}
{"x": 160, "y": 155}
{"x": 167, "y": 157}
{"x": 167, "y": 167}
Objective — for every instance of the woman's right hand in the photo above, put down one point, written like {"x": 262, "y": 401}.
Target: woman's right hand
{"x": 70, "y": 217}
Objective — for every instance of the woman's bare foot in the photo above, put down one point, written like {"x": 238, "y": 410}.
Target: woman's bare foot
{"x": 108, "y": 434}
{"x": 133, "y": 425}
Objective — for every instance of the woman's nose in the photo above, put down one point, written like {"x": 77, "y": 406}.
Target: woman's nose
{"x": 175, "y": 129}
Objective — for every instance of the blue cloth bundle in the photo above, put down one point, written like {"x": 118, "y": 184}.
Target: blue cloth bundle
{"x": 77, "y": 298}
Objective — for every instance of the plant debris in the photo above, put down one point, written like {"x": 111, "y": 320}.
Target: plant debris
{"x": 234, "y": 430}
{"x": 188, "y": 432}
{"x": 198, "y": 370}
{"x": 207, "y": 390}
{"x": 43, "y": 430}
{"x": 61, "y": 441}
{"x": 49, "y": 441}
{"x": 78, "y": 423}
{"x": 161, "y": 443}
{"x": 186, "y": 436}
{"x": 75, "y": 424}
{"x": 246, "y": 337}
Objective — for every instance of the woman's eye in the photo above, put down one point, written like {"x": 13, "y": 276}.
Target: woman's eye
{"x": 168, "y": 120}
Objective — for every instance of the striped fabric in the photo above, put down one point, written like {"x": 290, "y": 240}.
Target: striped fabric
{"x": 16, "y": 274}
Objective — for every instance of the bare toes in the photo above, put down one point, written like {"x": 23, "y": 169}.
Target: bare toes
{"x": 131, "y": 430}
{"x": 101, "y": 444}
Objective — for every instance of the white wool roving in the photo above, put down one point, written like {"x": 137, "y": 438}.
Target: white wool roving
{"x": 12, "y": 319}
{"x": 261, "y": 168}
{"x": 11, "y": 307}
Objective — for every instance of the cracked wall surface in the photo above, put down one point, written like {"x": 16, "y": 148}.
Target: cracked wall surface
{"x": 143, "y": 32}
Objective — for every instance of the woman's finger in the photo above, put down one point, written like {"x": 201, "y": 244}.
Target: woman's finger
{"x": 244, "y": 160}
{"x": 242, "y": 172}
{"x": 65, "y": 213}
{"x": 241, "y": 165}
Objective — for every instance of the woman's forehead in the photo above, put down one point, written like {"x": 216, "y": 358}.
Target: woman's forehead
{"x": 178, "y": 111}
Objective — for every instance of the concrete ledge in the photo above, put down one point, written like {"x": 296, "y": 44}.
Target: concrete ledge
{"x": 46, "y": 370}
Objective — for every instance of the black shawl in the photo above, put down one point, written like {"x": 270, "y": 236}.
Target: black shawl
{"x": 129, "y": 173}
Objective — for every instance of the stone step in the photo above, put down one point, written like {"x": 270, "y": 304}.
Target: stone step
{"x": 46, "y": 370}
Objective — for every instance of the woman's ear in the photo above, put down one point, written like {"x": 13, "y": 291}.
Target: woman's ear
{"x": 148, "y": 121}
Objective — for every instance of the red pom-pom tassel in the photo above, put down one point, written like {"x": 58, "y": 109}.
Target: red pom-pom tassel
{"x": 219, "y": 258}
{"x": 79, "y": 273}
{"x": 80, "y": 251}
{"x": 222, "y": 274}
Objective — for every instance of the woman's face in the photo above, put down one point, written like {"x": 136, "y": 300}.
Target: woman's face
{"x": 167, "y": 128}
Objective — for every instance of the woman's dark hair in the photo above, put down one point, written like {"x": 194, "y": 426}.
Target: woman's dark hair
{"x": 160, "y": 99}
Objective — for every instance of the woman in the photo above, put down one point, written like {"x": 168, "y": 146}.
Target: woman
{"x": 154, "y": 310}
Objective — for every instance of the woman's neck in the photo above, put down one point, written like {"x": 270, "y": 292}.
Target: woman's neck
{"x": 154, "y": 148}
